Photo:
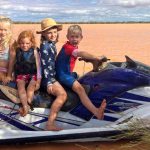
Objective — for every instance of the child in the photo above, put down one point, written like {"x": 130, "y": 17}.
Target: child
{"x": 5, "y": 47}
{"x": 65, "y": 63}
{"x": 27, "y": 69}
{"x": 48, "y": 51}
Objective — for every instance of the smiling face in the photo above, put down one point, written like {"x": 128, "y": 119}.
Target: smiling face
{"x": 5, "y": 30}
{"x": 25, "y": 43}
{"x": 51, "y": 34}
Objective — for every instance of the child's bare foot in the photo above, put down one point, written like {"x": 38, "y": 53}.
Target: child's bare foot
{"x": 52, "y": 127}
{"x": 26, "y": 109}
{"x": 23, "y": 111}
{"x": 101, "y": 109}
{"x": 20, "y": 110}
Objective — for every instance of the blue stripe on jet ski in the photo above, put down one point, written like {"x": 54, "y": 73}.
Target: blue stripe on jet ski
{"x": 135, "y": 97}
{"x": 64, "y": 120}
{"x": 14, "y": 114}
{"x": 67, "y": 122}
{"x": 39, "y": 121}
{"x": 59, "y": 120}
{"x": 119, "y": 105}
{"x": 108, "y": 118}
{"x": 15, "y": 123}
{"x": 114, "y": 105}
{"x": 45, "y": 119}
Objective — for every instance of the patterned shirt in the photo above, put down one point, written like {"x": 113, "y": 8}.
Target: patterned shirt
{"x": 48, "y": 54}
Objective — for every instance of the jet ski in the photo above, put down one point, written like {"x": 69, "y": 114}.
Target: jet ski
{"x": 124, "y": 85}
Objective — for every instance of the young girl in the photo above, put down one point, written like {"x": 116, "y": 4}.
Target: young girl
{"x": 49, "y": 37}
{"x": 27, "y": 69}
{"x": 5, "y": 47}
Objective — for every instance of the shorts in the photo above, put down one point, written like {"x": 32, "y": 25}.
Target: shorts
{"x": 68, "y": 79}
{"x": 46, "y": 82}
{"x": 27, "y": 78}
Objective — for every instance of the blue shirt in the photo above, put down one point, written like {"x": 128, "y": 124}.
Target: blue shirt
{"x": 48, "y": 54}
{"x": 65, "y": 63}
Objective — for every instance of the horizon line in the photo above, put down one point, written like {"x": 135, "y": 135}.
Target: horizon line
{"x": 90, "y": 22}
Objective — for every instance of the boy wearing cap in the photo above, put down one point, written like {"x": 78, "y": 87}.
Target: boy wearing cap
{"x": 48, "y": 52}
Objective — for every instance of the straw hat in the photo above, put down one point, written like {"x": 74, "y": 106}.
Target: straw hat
{"x": 48, "y": 23}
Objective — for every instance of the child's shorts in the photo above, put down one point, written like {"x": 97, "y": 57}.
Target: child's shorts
{"x": 27, "y": 78}
{"x": 67, "y": 79}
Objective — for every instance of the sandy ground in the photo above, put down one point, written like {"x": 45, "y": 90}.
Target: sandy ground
{"x": 113, "y": 40}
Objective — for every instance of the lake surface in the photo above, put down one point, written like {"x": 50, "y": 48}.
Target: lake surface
{"x": 122, "y": 145}
{"x": 114, "y": 41}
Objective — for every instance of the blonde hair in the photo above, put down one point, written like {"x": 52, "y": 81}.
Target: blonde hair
{"x": 6, "y": 42}
{"x": 27, "y": 34}
{"x": 74, "y": 29}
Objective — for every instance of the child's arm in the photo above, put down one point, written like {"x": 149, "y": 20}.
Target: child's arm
{"x": 74, "y": 51}
{"x": 12, "y": 58}
{"x": 86, "y": 55}
{"x": 38, "y": 66}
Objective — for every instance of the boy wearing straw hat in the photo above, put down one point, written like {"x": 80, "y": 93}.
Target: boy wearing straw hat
{"x": 49, "y": 37}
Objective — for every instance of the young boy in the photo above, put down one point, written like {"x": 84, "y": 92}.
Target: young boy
{"x": 65, "y": 64}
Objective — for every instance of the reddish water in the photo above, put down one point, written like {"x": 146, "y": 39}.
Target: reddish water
{"x": 122, "y": 145}
{"x": 112, "y": 40}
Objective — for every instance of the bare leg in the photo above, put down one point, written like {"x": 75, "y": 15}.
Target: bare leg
{"x": 101, "y": 110}
{"x": 30, "y": 91}
{"x": 23, "y": 98}
{"x": 2, "y": 76}
{"x": 98, "y": 112}
{"x": 57, "y": 90}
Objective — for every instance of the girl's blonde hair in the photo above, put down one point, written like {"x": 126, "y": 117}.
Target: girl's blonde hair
{"x": 27, "y": 34}
{"x": 6, "y": 42}
{"x": 74, "y": 29}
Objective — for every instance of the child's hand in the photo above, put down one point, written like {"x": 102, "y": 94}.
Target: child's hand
{"x": 6, "y": 80}
{"x": 104, "y": 58}
{"x": 84, "y": 59}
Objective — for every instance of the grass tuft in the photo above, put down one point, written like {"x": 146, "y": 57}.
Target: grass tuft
{"x": 139, "y": 134}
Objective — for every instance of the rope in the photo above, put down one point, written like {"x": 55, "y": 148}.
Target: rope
{"x": 83, "y": 68}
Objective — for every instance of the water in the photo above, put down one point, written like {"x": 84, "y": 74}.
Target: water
{"x": 76, "y": 10}
{"x": 95, "y": 145}
{"x": 120, "y": 145}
